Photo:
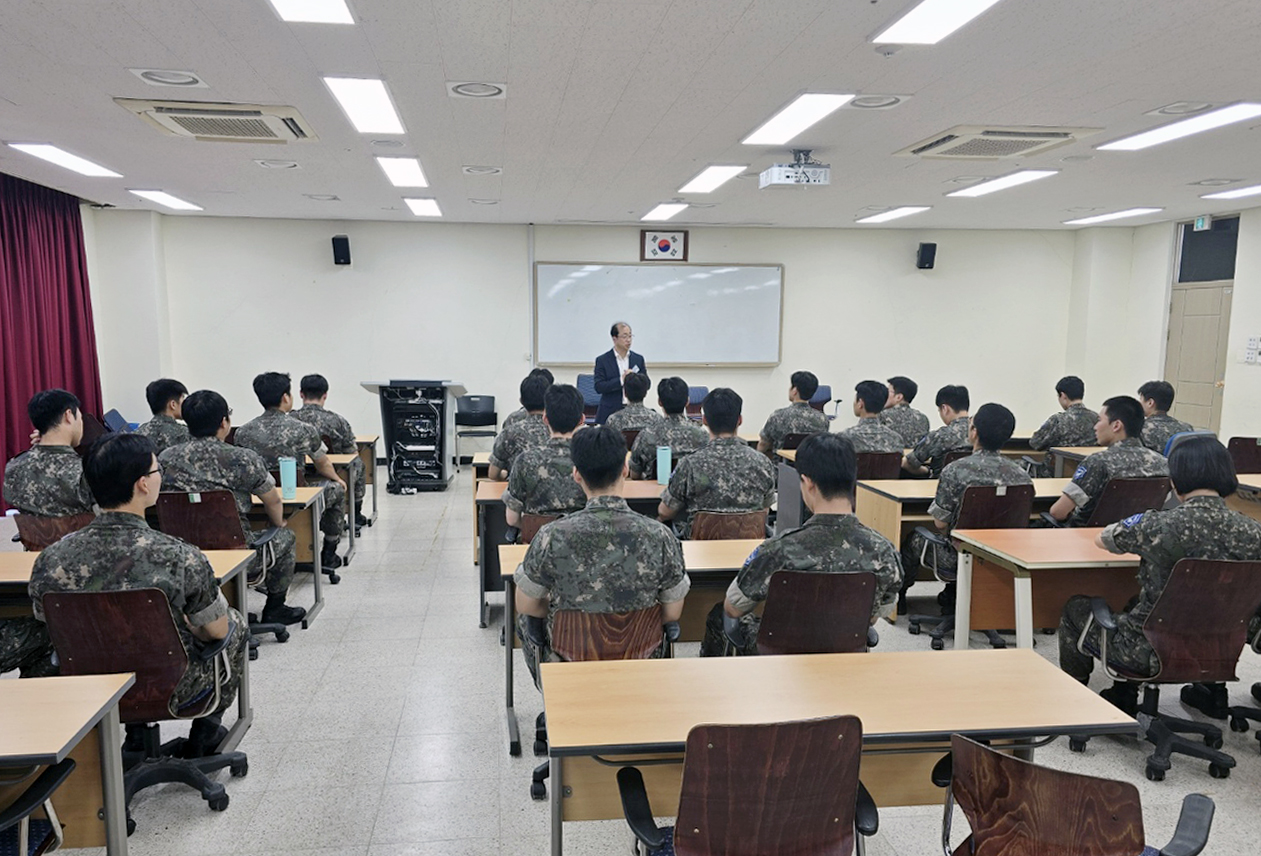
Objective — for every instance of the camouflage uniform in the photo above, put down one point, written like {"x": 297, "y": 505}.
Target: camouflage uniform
{"x": 1203, "y": 527}
{"x": 797, "y": 418}
{"x": 684, "y": 436}
{"x": 604, "y": 558}
{"x": 341, "y": 438}
{"x": 542, "y": 481}
{"x": 165, "y": 431}
{"x": 1159, "y": 427}
{"x": 1074, "y": 426}
{"x": 826, "y": 543}
{"x": 276, "y": 434}
{"x": 207, "y": 463}
{"x": 723, "y": 475}
{"x": 514, "y": 439}
{"x": 931, "y": 450}
{"x": 119, "y": 552}
{"x": 870, "y": 435}
{"x": 47, "y": 481}
{"x": 24, "y": 645}
{"x": 632, "y": 417}
{"x": 909, "y": 423}
{"x": 515, "y": 416}
{"x": 1128, "y": 459}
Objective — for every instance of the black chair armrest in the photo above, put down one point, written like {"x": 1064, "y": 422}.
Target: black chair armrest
{"x": 672, "y": 631}
{"x": 873, "y": 638}
{"x": 535, "y": 630}
{"x": 932, "y": 537}
{"x": 262, "y": 536}
{"x": 1103, "y": 613}
{"x": 209, "y": 650}
{"x": 1051, "y": 521}
{"x": 1193, "y": 826}
{"x": 511, "y": 534}
{"x": 943, "y": 771}
{"x": 37, "y": 794}
{"x": 866, "y": 816}
{"x": 630, "y": 784}
{"x": 16, "y": 539}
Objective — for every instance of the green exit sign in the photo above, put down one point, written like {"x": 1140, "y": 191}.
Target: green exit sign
{"x": 1203, "y": 223}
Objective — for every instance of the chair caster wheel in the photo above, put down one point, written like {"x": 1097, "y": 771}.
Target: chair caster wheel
{"x": 1076, "y": 744}
{"x": 514, "y": 748}
{"x": 1155, "y": 775}
{"x": 1238, "y": 724}
{"x": 218, "y": 803}
{"x": 282, "y": 635}
{"x": 998, "y": 643}
{"x": 334, "y": 579}
{"x": 937, "y": 644}
{"x": 1217, "y": 771}
{"x": 913, "y": 628}
{"x": 253, "y": 653}
{"x": 540, "y": 749}
{"x": 131, "y": 825}
{"x": 1213, "y": 741}
{"x": 239, "y": 771}
{"x": 538, "y": 791}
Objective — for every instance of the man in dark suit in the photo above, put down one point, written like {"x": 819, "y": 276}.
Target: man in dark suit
{"x": 612, "y": 367}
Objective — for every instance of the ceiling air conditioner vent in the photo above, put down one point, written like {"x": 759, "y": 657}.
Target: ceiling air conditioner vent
{"x": 232, "y": 123}
{"x": 977, "y": 142}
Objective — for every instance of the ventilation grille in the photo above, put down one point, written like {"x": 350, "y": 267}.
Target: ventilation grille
{"x": 234, "y": 123}
{"x": 989, "y": 143}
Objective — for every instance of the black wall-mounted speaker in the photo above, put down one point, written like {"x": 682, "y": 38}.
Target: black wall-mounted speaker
{"x": 924, "y": 258}
{"x": 341, "y": 250}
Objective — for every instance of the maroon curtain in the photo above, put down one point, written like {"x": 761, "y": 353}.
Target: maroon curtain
{"x": 46, "y": 333}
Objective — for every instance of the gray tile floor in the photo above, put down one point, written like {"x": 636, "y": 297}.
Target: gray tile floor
{"x": 379, "y": 731}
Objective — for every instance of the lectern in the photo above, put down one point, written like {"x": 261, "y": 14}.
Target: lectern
{"x": 418, "y": 425}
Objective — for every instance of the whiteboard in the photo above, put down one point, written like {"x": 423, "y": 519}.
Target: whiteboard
{"x": 680, "y": 314}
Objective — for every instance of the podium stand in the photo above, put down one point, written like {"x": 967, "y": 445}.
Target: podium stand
{"x": 418, "y": 425}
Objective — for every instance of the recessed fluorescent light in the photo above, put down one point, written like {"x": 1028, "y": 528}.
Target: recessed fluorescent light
{"x": 711, "y": 178}
{"x": 895, "y": 213}
{"x": 313, "y": 11}
{"x": 367, "y": 104}
{"x": 403, "y": 172}
{"x": 424, "y": 207}
{"x": 1115, "y": 215}
{"x": 1185, "y": 128}
{"x": 931, "y": 21}
{"x": 1237, "y": 193}
{"x": 664, "y": 211}
{"x": 163, "y": 198}
{"x": 795, "y": 118}
{"x": 1016, "y": 179}
{"x": 62, "y": 158}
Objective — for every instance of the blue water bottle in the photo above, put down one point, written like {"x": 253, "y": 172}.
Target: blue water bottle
{"x": 288, "y": 478}
{"x": 663, "y": 465}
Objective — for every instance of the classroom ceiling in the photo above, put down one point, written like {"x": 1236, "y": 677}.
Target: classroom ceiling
{"x": 612, "y": 105}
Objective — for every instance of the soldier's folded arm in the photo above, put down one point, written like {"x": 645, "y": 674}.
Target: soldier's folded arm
{"x": 531, "y": 599}
{"x": 274, "y": 506}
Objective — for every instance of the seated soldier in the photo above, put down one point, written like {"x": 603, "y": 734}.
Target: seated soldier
{"x": 676, "y": 430}
{"x": 542, "y": 477}
{"x": 1074, "y": 425}
{"x": 25, "y": 646}
{"x": 119, "y": 552}
{"x": 275, "y": 434}
{"x": 929, "y": 455}
{"x": 990, "y": 429}
{"x": 604, "y": 558}
{"x": 870, "y": 434}
{"x": 1202, "y": 527}
{"x": 1119, "y": 427}
{"x": 832, "y": 541}
{"x": 909, "y": 423}
{"x": 1156, "y": 396}
{"x": 521, "y": 412}
{"x": 528, "y": 431}
{"x": 47, "y": 480}
{"x": 797, "y": 418}
{"x": 334, "y": 428}
{"x": 634, "y": 416}
{"x": 723, "y": 475}
{"x": 165, "y": 397}
{"x": 207, "y": 462}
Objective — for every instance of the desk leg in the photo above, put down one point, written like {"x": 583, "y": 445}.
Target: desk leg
{"x": 963, "y": 602}
{"x": 481, "y": 571}
{"x": 557, "y": 775}
{"x": 244, "y": 711}
{"x": 317, "y": 510}
{"x": 350, "y": 515}
{"x": 114, "y": 809}
{"x": 1024, "y": 612}
{"x": 372, "y": 463}
{"x": 510, "y": 638}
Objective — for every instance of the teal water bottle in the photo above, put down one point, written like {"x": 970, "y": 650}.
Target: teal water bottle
{"x": 288, "y": 478}
{"x": 663, "y": 465}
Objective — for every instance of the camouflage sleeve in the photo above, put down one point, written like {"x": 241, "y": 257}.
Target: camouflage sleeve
{"x": 1088, "y": 482}
{"x": 946, "y": 503}
{"x": 255, "y": 477}
{"x": 749, "y": 587}
{"x": 311, "y": 444}
{"x": 924, "y": 450}
{"x": 1042, "y": 438}
{"x": 674, "y": 583}
{"x": 85, "y": 493}
{"x": 534, "y": 576}
{"x": 517, "y": 490}
{"x": 770, "y": 431}
{"x": 203, "y": 601}
{"x": 769, "y": 471}
{"x": 888, "y": 571}
{"x": 638, "y": 461}
{"x": 500, "y": 454}
{"x": 345, "y": 436}
{"x": 35, "y": 588}
{"x": 675, "y": 495}
{"x": 1138, "y": 534}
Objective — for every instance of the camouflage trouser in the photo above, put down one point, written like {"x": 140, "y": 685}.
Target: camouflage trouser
{"x": 357, "y": 468}
{"x": 715, "y": 642}
{"x": 913, "y": 546}
{"x": 333, "y": 520}
{"x": 280, "y": 574}
{"x": 24, "y": 645}
{"x": 534, "y": 654}
{"x": 225, "y": 669}
{"x": 1128, "y": 648}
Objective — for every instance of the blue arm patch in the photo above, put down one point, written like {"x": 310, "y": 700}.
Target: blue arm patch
{"x": 1132, "y": 519}
{"x": 753, "y": 555}
{"x": 1081, "y": 471}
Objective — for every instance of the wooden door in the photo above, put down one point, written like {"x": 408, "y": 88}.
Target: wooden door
{"x": 1195, "y": 362}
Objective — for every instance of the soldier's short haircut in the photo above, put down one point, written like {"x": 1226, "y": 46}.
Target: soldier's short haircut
{"x": 313, "y": 386}
{"x": 830, "y": 462}
{"x": 904, "y": 387}
{"x": 873, "y": 394}
{"x": 46, "y": 408}
{"x": 599, "y": 454}
{"x": 1160, "y": 392}
{"x": 533, "y": 391}
{"x": 1202, "y": 463}
{"x": 1128, "y": 411}
{"x": 673, "y": 394}
{"x": 113, "y": 465}
{"x": 547, "y": 373}
{"x": 271, "y": 387}
{"x": 722, "y": 410}
{"x": 636, "y": 386}
{"x": 204, "y": 411}
{"x": 994, "y": 426}
{"x": 162, "y": 392}
{"x": 1073, "y": 387}
{"x": 954, "y": 397}
{"x": 806, "y": 383}
{"x": 563, "y": 406}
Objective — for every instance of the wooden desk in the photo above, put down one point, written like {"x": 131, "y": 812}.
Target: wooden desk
{"x": 637, "y": 708}
{"x": 367, "y": 445}
{"x": 481, "y": 471}
{"x": 341, "y": 465}
{"x": 47, "y": 720}
{"x": 1023, "y": 578}
{"x": 302, "y": 516}
{"x": 1064, "y": 456}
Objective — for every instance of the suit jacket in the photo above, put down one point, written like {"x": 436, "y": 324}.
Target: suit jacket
{"x": 608, "y": 382}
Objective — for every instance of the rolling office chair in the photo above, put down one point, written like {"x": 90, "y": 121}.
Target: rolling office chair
{"x": 590, "y": 398}
{"x": 475, "y": 416}
{"x": 816, "y": 613}
{"x": 695, "y": 395}
{"x": 1240, "y": 715}
{"x": 117, "y": 423}
{"x": 22, "y": 835}
{"x": 820, "y": 399}
{"x": 37, "y": 532}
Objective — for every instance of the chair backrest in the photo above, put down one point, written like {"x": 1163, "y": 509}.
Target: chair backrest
{"x": 39, "y": 532}
{"x": 475, "y": 410}
{"x": 822, "y": 396}
{"x": 1182, "y": 436}
{"x": 630, "y": 434}
{"x": 1013, "y": 805}
{"x": 1246, "y": 453}
{"x": 231, "y": 438}
{"x": 117, "y": 423}
{"x": 785, "y": 787}
{"x": 530, "y": 525}
{"x": 100, "y": 633}
{"x": 1123, "y": 497}
{"x": 208, "y": 520}
{"x": 1190, "y": 648}
{"x": 579, "y": 636}
{"x": 1005, "y": 506}
{"x": 92, "y": 428}
{"x": 726, "y": 525}
{"x": 695, "y": 395}
{"x": 816, "y": 613}
{"x": 879, "y": 465}
{"x": 954, "y": 455}
{"x": 299, "y": 477}
{"x": 792, "y": 441}
{"x": 590, "y": 398}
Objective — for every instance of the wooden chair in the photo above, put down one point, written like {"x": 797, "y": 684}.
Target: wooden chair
{"x": 92, "y": 429}
{"x": 725, "y": 525}
{"x": 1189, "y": 650}
{"x": 1015, "y": 806}
{"x": 954, "y": 455}
{"x": 231, "y": 438}
{"x": 1246, "y": 453}
{"x": 630, "y": 434}
{"x": 21, "y": 834}
{"x": 1122, "y": 498}
{"x": 300, "y": 481}
{"x": 792, "y": 441}
{"x": 37, "y": 532}
{"x": 879, "y": 465}
{"x": 817, "y": 613}
{"x": 748, "y": 790}
{"x": 531, "y": 524}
